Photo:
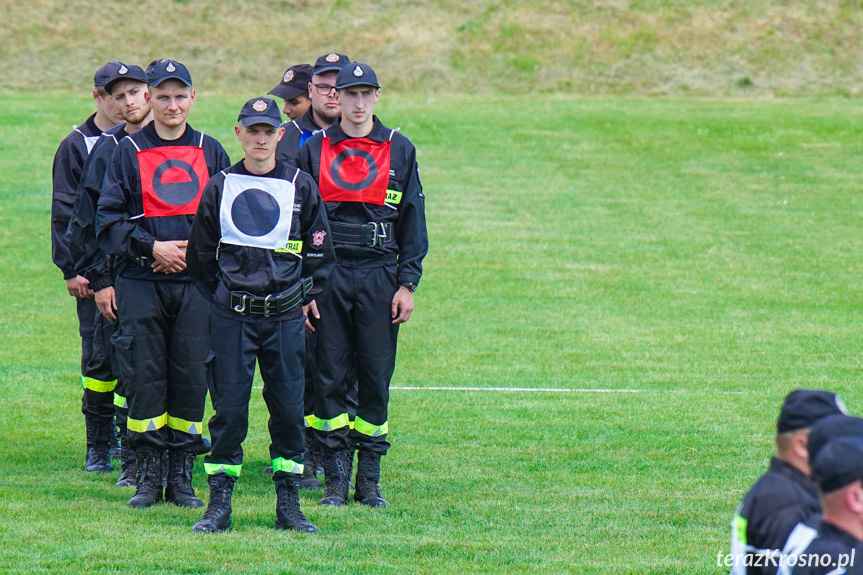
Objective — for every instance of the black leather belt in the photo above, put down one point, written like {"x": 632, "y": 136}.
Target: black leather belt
{"x": 272, "y": 304}
{"x": 370, "y": 235}
{"x": 144, "y": 261}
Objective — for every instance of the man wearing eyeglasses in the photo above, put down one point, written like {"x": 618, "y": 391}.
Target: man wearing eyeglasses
{"x": 324, "y": 110}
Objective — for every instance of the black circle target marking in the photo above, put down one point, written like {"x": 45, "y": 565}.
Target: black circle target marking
{"x": 354, "y": 186}
{"x": 176, "y": 193}
{"x": 255, "y": 212}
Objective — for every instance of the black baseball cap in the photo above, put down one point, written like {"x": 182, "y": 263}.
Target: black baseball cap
{"x": 294, "y": 83}
{"x": 169, "y": 69}
{"x": 357, "y": 74}
{"x": 125, "y": 72}
{"x": 331, "y": 62}
{"x": 104, "y": 74}
{"x": 839, "y": 463}
{"x": 260, "y": 111}
{"x": 803, "y": 407}
{"x": 831, "y": 427}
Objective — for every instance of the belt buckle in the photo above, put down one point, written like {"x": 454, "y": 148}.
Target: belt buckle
{"x": 241, "y": 307}
{"x": 380, "y": 231}
{"x": 141, "y": 261}
{"x": 267, "y": 301}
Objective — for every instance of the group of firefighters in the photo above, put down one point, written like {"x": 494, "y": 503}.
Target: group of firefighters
{"x": 188, "y": 271}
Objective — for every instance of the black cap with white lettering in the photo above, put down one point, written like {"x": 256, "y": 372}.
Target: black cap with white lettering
{"x": 169, "y": 70}
{"x": 124, "y": 72}
{"x": 104, "y": 74}
{"x": 357, "y": 74}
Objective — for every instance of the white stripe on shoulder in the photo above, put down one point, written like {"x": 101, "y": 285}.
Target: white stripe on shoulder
{"x": 134, "y": 143}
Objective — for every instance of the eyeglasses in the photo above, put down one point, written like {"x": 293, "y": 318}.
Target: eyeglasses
{"x": 323, "y": 89}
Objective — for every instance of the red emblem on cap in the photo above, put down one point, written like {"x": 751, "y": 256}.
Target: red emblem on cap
{"x": 289, "y": 75}
{"x": 333, "y": 57}
{"x": 259, "y": 106}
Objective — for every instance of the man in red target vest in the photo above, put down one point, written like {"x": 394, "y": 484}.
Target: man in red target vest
{"x": 369, "y": 181}
{"x": 148, "y": 202}
{"x": 260, "y": 249}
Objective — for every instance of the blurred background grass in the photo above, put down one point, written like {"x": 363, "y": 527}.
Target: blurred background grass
{"x": 698, "y": 47}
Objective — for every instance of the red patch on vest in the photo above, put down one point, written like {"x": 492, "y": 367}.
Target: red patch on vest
{"x": 172, "y": 179}
{"x": 355, "y": 170}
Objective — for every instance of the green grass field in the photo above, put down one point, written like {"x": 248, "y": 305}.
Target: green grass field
{"x": 698, "y": 259}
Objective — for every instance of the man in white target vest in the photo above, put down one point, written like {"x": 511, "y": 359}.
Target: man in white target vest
{"x": 260, "y": 249}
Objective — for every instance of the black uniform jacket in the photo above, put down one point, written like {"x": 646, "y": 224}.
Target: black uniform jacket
{"x": 407, "y": 217}
{"x": 255, "y": 270}
{"x": 834, "y": 542}
{"x": 781, "y": 498}
{"x": 89, "y": 259}
{"x": 66, "y": 174}
{"x": 288, "y": 149}
{"x": 122, "y": 229}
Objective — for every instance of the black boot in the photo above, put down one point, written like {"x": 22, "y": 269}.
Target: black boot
{"x": 179, "y": 489}
{"x": 310, "y": 479}
{"x": 128, "y": 464}
{"x": 148, "y": 490}
{"x": 99, "y": 433}
{"x": 336, "y": 476}
{"x": 217, "y": 517}
{"x": 288, "y": 512}
{"x": 116, "y": 432}
{"x": 368, "y": 475}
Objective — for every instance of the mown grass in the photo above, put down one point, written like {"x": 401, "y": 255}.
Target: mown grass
{"x": 691, "y": 47}
{"x": 702, "y": 253}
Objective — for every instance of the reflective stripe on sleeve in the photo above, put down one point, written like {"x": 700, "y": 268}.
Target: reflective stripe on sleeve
{"x": 120, "y": 401}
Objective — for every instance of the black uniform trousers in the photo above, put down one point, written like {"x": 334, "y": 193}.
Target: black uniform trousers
{"x": 278, "y": 345}
{"x": 97, "y": 372}
{"x": 103, "y": 367}
{"x": 356, "y": 335}
{"x": 161, "y": 345}
{"x": 312, "y": 376}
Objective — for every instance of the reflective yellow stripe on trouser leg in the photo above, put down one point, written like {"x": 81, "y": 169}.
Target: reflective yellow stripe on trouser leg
{"x": 218, "y": 468}
{"x": 97, "y": 385}
{"x": 331, "y": 424}
{"x": 145, "y": 425}
{"x": 287, "y": 465}
{"x": 370, "y": 429}
{"x": 193, "y": 427}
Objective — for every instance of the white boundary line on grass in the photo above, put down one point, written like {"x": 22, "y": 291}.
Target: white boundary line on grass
{"x": 528, "y": 389}
{"x": 539, "y": 389}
